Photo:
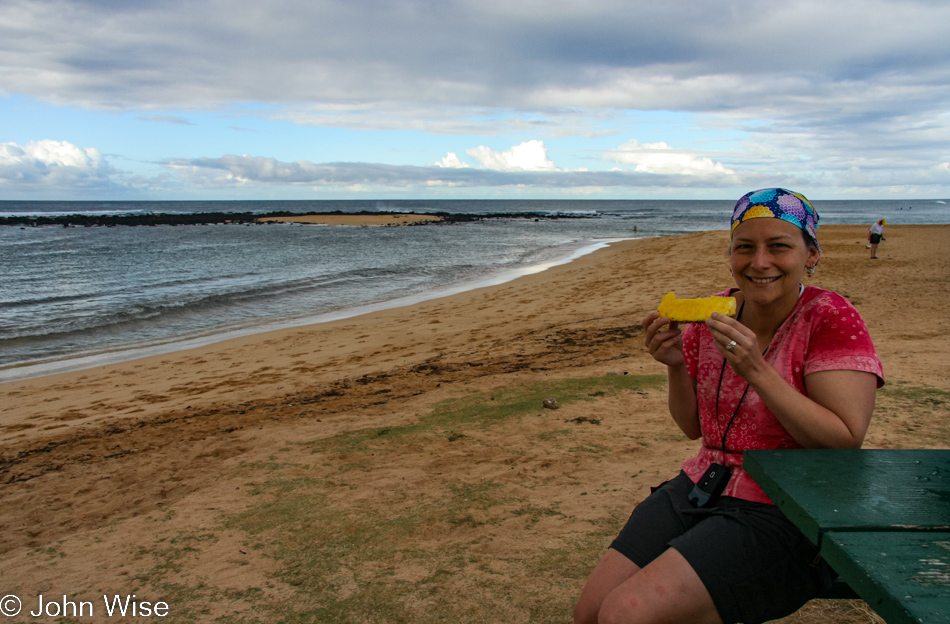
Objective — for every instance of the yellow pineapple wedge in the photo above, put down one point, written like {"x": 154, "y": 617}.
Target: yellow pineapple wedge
{"x": 695, "y": 310}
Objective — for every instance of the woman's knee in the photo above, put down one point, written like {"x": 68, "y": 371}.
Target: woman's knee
{"x": 585, "y": 611}
{"x": 617, "y": 608}
{"x": 612, "y": 571}
{"x": 668, "y": 590}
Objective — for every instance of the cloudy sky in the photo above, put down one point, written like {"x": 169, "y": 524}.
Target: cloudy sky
{"x": 370, "y": 99}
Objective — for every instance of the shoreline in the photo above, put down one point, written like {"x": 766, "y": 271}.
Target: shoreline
{"x": 624, "y": 276}
{"x": 131, "y": 352}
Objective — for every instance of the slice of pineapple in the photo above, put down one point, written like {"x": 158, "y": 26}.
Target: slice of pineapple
{"x": 695, "y": 310}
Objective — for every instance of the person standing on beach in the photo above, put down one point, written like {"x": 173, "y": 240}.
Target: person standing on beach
{"x": 796, "y": 368}
{"x": 875, "y": 236}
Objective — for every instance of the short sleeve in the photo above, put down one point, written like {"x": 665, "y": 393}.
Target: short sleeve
{"x": 841, "y": 340}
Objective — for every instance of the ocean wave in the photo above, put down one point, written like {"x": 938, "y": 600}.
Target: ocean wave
{"x": 571, "y": 213}
{"x": 59, "y": 213}
{"x": 121, "y": 310}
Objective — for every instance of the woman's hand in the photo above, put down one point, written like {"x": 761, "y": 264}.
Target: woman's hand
{"x": 738, "y": 344}
{"x": 665, "y": 345}
{"x": 835, "y": 411}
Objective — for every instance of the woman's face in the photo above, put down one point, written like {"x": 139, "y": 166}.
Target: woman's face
{"x": 768, "y": 257}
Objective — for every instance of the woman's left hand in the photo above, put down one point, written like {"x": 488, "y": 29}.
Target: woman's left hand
{"x": 737, "y": 343}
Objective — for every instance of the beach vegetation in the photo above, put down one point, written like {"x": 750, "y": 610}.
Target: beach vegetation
{"x": 546, "y": 436}
{"x": 921, "y": 413}
{"x": 52, "y": 552}
{"x": 590, "y": 448}
{"x": 922, "y": 395}
{"x": 484, "y": 409}
{"x": 425, "y": 563}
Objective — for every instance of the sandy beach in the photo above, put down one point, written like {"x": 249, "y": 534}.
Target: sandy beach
{"x": 399, "y": 466}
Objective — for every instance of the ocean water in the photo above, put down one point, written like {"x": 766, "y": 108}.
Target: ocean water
{"x": 72, "y": 297}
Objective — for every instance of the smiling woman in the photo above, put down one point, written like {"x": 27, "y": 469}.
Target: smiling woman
{"x": 796, "y": 368}
{"x": 768, "y": 258}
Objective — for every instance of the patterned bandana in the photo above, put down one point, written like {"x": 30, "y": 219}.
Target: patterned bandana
{"x": 778, "y": 203}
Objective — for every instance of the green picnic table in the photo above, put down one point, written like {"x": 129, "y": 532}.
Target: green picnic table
{"x": 881, "y": 519}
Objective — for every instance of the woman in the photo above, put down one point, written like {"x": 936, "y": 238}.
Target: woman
{"x": 795, "y": 369}
{"x": 875, "y": 236}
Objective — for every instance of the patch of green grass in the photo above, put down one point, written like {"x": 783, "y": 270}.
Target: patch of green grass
{"x": 262, "y": 466}
{"x": 584, "y": 419}
{"x": 484, "y": 409}
{"x": 52, "y": 552}
{"x": 480, "y": 495}
{"x": 349, "y": 565}
{"x": 552, "y": 435}
{"x": 535, "y": 514}
{"x": 921, "y": 395}
{"x": 188, "y": 601}
{"x": 169, "y": 554}
{"x": 919, "y": 411}
{"x": 342, "y": 564}
{"x": 595, "y": 449}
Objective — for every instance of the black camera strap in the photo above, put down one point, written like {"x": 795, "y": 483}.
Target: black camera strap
{"x": 722, "y": 444}
{"x": 735, "y": 413}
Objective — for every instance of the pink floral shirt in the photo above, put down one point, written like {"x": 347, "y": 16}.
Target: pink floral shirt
{"x": 823, "y": 332}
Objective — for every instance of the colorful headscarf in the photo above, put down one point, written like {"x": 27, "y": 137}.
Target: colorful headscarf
{"x": 778, "y": 203}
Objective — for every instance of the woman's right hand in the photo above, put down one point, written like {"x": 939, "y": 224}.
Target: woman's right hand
{"x": 665, "y": 345}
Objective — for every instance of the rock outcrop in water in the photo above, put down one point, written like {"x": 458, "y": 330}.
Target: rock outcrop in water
{"x": 205, "y": 218}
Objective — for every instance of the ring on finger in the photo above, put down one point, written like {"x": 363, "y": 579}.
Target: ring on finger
{"x": 732, "y": 345}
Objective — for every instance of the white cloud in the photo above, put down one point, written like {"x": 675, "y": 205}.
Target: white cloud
{"x": 661, "y": 158}
{"x": 53, "y": 163}
{"x": 451, "y": 161}
{"x": 527, "y": 156}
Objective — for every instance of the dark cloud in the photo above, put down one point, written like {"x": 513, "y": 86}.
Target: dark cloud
{"x": 678, "y": 55}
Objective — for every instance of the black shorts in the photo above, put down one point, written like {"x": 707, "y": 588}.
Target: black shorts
{"x": 875, "y": 239}
{"x": 755, "y": 563}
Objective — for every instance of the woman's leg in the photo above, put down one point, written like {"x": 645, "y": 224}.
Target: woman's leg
{"x": 874, "y": 250}
{"x": 645, "y": 537}
{"x": 609, "y": 574}
{"x": 668, "y": 590}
